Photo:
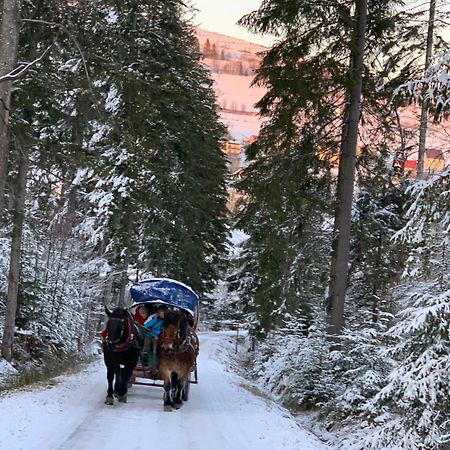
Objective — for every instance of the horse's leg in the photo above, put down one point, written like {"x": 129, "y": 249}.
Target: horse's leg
{"x": 131, "y": 379}
{"x": 177, "y": 382}
{"x": 118, "y": 387}
{"x": 110, "y": 376}
{"x": 118, "y": 381}
{"x": 185, "y": 376}
{"x": 168, "y": 402}
{"x": 127, "y": 370}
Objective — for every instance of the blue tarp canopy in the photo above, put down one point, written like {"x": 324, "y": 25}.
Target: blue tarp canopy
{"x": 165, "y": 290}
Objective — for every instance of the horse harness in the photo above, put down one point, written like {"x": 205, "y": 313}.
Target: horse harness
{"x": 123, "y": 343}
{"x": 189, "y": 341}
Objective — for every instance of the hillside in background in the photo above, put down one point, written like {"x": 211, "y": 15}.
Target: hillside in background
{"x": 232, "y": 63}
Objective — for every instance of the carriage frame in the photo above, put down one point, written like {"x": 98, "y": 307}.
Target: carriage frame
{"x": 177, "y": 296}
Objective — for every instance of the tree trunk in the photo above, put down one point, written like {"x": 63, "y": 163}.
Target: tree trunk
{"x": 9, "y": 36}
{"x": 424, "y": 105}
{"x": 126, "y": 260}
{"x": 375, "y": 296}
{"x": 124, "y": 280}
{"x": 16, "y": 243}
{"x": 347, "y": 164}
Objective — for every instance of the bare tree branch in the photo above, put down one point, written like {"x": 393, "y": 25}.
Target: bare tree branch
{"x": 23, "y": 68}
{"x": 63, "y": 28}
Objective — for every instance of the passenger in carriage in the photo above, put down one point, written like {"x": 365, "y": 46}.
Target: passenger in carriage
{"x": 103, "y": 334}
{"x": 153, "y": 325}
{"x": 141, "y": 315}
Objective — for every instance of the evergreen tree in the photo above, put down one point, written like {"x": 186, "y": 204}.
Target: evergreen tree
{"x": 126, "y": 169}
{"x": 307, "y": 77}
{"x": 417, "y": 384}
{"x": 282, "y": 268}
{"x": 413, "y": 403}
{"x": 377, "y": 261}
{"x": 167, "y": 170}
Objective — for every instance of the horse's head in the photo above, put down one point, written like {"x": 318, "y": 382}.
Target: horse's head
{"x": 172, "y": 331}
{"x": 117, "y": 327}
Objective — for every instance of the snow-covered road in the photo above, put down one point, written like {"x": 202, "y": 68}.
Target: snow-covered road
{"x": 220, "y": 415}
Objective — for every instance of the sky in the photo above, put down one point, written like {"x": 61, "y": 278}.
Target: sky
{"x": 221, "y": 17}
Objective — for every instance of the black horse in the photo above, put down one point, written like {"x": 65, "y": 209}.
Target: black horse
{"x": 121, "y": 350}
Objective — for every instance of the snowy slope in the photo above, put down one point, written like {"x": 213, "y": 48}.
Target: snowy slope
{"x": 235, "y": 96}
{"x": 219, "y": 415}
{"x": 237, "y": 99}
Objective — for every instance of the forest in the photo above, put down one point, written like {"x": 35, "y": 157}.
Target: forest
{"x": 111, "y": 166}
{"x": 111, "y": 170}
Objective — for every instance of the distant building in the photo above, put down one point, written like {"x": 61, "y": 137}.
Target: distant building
{"x": 233, "y": 151}
{"x": 251, "y": 139}
{"x": 434, "y": 162}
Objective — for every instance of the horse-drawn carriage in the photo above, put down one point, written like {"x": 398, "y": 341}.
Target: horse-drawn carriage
{"x": 174, "y": 364}
{"x": 177, "y": 297}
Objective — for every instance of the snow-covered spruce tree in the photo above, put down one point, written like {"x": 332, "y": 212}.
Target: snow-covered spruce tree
{"x": 48, "y": 119}
{"x": 306, "y": 73}
{"x": 294, "y": 366}
{"x": 413, "y": 407}
{"x": 376, "y": 265}
{"x": 160, "y": 198}
{"x": 376, "y": 261}
{"x": 359, "y": 368}
{"x": 282, "y": 266}
{"x": 404, "y": 56}
{"x": 126, "y": 166}
{"x": 193, "y": 207}
{"x": 435, "y": 85}
{"x": 306, "y": 77}
{"x": 302, "y": 371}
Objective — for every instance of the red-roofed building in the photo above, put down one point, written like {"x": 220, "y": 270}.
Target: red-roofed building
{"x": 434, "y": 162}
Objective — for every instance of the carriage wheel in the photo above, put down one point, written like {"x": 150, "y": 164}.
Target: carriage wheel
{"x": 185, "y": 395}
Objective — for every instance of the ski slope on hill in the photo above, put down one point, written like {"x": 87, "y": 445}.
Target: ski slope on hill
{"x": 220, "y": 414}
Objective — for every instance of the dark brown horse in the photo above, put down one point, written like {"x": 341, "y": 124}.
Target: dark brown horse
{"x": 178, "y": 347}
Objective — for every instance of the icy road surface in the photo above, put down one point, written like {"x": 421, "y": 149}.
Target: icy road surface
{"x": 220, "y": 414}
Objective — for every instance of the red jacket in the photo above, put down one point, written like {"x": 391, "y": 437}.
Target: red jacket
{"x": 138, "y": 318}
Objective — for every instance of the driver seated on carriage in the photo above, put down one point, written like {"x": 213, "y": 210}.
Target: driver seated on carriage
{"x": 153, "y": 326}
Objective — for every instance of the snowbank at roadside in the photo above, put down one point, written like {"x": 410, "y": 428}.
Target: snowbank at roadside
{"x": 7, "y": 372}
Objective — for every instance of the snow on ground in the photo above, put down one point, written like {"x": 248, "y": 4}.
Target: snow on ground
{"x": 235, "y": 92}
{"x": 240, "y": 126}
{"x": 7, "y": 372}
{"x": 220, "y": 414}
